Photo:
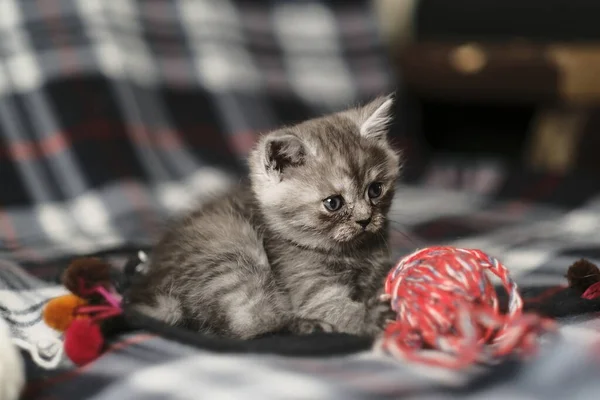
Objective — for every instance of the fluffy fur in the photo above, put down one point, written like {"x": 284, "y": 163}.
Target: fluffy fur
{"x": 12, "y": 373}
{"x": 270, "y": 256}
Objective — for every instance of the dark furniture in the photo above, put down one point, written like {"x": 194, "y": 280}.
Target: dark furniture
{"x": 510, "y": 77}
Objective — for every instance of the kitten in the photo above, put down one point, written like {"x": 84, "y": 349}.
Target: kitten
{"x": 302, "y": 248}
{"x": 12, "y": 369}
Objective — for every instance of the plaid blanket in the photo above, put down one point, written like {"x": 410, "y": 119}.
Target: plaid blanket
{"x": 537, "y": 240}
{"x": 115, "y": 115}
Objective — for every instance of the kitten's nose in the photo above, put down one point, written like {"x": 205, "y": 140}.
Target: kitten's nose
{"x": 364, "y": 222}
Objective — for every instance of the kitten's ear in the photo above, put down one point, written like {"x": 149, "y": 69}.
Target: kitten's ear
{"x": 376, "y": 117}
{"x": 282, "y": 152}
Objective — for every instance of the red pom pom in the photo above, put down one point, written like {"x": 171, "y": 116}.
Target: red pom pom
{"x": 593, "y": 292}
{"x": 83, "y": 341}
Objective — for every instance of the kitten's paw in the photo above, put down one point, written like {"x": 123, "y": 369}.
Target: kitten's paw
{"x": 12, "y": 375}
{"x": 380, "y": 313}
{"x": 304, "y": 326}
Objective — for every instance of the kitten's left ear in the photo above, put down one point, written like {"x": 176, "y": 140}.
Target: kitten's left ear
{"x": 283, "y": 151}
{"x": 376, "y": 117}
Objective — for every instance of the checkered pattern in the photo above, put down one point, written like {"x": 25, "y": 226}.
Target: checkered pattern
{"x": 22, "y": 298}
{"x": 142, "y": 367}
{"x": 536, "y": 241}
{"x": 116, "y": 114}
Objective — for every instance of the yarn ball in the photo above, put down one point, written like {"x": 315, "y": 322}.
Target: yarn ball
{"x": 83, "y": 341}
{"x": 447, "y": 310}
{"x": 91, "y": 270}
{"x": 582, "y": 274}
{"x": 59, "y": 312}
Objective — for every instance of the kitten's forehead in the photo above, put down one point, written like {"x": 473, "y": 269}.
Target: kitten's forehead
{"x": 343, "y": 160}
{"x": 343, "y": 183}
{"x": 347, "y": 169}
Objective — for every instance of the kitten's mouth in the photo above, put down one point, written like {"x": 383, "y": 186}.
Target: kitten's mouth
{"x": 361, "y": 235}
{"x": 356, "y": 234}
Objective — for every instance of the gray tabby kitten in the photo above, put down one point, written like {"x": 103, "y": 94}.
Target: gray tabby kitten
{"x": 301, "y": 249}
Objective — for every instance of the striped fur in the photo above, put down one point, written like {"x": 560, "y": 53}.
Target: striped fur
{"x": 269, "y": 256}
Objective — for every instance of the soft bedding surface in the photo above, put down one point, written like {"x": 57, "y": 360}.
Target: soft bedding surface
{"x": 116, "y": 115}
{"x": 538, "y": 241}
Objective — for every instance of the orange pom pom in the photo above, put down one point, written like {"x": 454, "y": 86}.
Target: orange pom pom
{"x": 60, "y": 311}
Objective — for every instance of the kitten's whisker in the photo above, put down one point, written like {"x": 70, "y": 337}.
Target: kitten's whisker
{"x": 397, "y": 225}
{"x": 398, "y": 213}
{"x": 382, "y": 236}
{"x": 396, "y": 222}
{"x": 411, "y": 238}
{"x": 398, "y": 218}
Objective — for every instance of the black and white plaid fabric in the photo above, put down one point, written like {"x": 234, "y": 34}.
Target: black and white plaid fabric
{"x": 114, "y": 115}
{"x": 143, "y": 367}
{"x": 538, "y": 240}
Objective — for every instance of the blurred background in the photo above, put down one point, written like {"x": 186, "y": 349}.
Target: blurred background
{"x": 513, "y": 80}
{"x": 116, "y": 114}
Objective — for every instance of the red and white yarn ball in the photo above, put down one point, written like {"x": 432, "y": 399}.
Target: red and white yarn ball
{"x": 448, "y": 313}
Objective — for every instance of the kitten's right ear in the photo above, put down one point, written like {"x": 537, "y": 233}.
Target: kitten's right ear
{"x": 282, "y": 152}
{"x": 376, "y": 117}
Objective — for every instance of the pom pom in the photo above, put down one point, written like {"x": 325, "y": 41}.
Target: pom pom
{"x": 582, "y": 274}
{"x": 593, "y": 292}
{"x": 83, "y": 341}
{"x": 91, "y": 271}
{"x": 60, "y": 311}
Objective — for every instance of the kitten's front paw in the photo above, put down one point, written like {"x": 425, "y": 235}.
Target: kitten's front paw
{"x": 305, "y": 326}
{"x": 380, "y": 313}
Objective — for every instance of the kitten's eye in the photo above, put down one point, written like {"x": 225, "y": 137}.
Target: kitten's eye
{"x": 375, "y": 190}
{"x": 333, "y": 203}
